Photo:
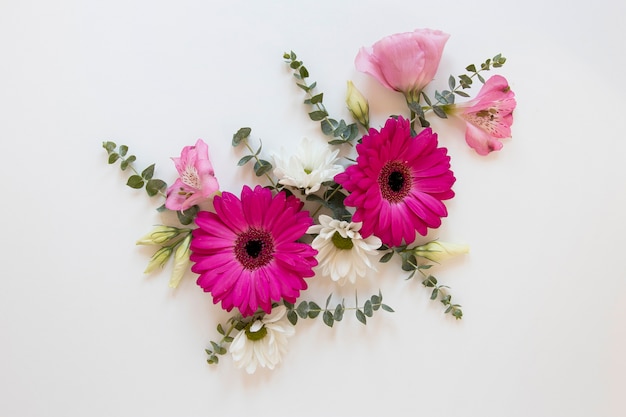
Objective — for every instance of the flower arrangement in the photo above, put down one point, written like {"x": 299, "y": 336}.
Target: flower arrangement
{"x": 320, "y": 215}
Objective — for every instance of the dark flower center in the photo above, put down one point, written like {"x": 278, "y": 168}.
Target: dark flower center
{"x": 395, "y": 181}
{"x": 254, "y": 248}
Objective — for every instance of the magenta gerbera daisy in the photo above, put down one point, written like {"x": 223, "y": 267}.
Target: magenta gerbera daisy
{"x": 398, "y": 183}
{"x": 247, "y": 253}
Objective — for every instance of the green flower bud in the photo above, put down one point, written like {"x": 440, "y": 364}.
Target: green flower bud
{"x": 358, "y": 105}
{"x": 437, "y": 251}
{"x": 158, "y": 259}
{"x": 181, "y": 261}
{"x": 159, "y": 235}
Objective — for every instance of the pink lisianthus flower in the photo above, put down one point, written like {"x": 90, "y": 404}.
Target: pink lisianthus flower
{"x": 489, "y": 116}
{"x": 197, "y": 179}
{"x": 404, "y": 62}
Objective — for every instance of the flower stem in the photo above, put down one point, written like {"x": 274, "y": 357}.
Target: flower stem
{"x": 255, "y": 156}
{"x": 326, "y": 199}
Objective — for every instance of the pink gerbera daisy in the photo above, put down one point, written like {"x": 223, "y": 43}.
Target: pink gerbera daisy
{"x": 247, "y": 252}
{"x": 398, "y": 183}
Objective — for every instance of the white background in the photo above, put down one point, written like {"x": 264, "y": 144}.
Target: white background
{"x": 85, "y": 333}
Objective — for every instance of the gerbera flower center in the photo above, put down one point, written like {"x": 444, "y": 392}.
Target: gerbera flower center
{"x": 395, "y": 181}
{"x": 341, "y": 242}
{"x": 254, "y": 248}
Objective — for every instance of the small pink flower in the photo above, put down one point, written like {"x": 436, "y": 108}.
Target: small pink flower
{"x": 404, "y": 62}
{"x": 489, "y": 116}
{"x": 197, "y": 179}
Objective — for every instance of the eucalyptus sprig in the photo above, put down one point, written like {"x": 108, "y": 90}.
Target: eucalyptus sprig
{"x": 311, "y": 310}
{"x": 261, "y": 166}
{"x": 340, "y": 131}
{"x": 137, "y": 180}
{"x": 412, "y": 265}
{"x": 217, "y": 348}
{"x": 333, "y": 199}
{"x": 445, "y": 98}
{"x": 445, "y": 297}
{"x": 465, "y": 81}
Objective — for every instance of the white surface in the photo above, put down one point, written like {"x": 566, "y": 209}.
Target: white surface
{"x": 84, "y": 333}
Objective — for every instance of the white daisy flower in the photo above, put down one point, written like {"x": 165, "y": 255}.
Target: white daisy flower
{"x": 342, "y": 253}
{"x": 309, "y": 167}
{"x": 263, "y": 342}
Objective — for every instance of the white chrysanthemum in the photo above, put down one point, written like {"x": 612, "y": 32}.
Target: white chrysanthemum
{"x": 263, "y": 342}
{"x": 311, "y": 165}
{"x": 342, "y": 253}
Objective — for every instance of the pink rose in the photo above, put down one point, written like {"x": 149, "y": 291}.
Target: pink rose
{"x": 489, "y": 116}
{"x": 197, "y": 179}
{"x": 404, "y": 62}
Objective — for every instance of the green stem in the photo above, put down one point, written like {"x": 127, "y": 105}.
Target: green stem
{"x": 259, "y": 161}
{"x": 131, "y": 166}
{"x": 326, "y": 199}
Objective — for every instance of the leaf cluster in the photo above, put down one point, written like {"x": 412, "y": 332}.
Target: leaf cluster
{"x": 445, "y": 297}
{"x": 217, "y": 348}
{"x": 339, "y": 130}
{"x": 137, "y": 180}
{"x": 261, "y": 166}
{"x": 311, "y": 310}
{"x": 411, "y": 264}
{"x": 333, "y": 199}
{"x": 465, "y": 81}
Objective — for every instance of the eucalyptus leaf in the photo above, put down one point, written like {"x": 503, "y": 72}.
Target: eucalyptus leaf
{"x": 367, "y": 309}
{"x": 292, "y": 317}
{"x": 135, "y": 181}
{"x": 241, "y": 134}
{"x": 360, "y": 316}
{"x": 113, "y": 157}
{"x": 328, "y": 319}
{"x": 109, "y": 146}
{"x": 434, "y": 294}
{"x": 153, "y": 186}
{"x": 339, "y": 310}
{"x": 439, "y": 112}
{"x": 318, "y": 115}
{"x": 147, "y": 173}
{"x": 261, "y": 167}
{"x": 186, "y": 217}
{"x": 245, "y": 160}
{"x": 387, "y": 308}
{"x": 317, "y": 98}
{"x": 303, "y": 309}
{"x": 386, "y": 257}
{"x": 451, "y": 82}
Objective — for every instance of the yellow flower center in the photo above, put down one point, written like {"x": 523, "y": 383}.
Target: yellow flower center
{"x": 254, "y": 336}
{"x": 341, "y": 242}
